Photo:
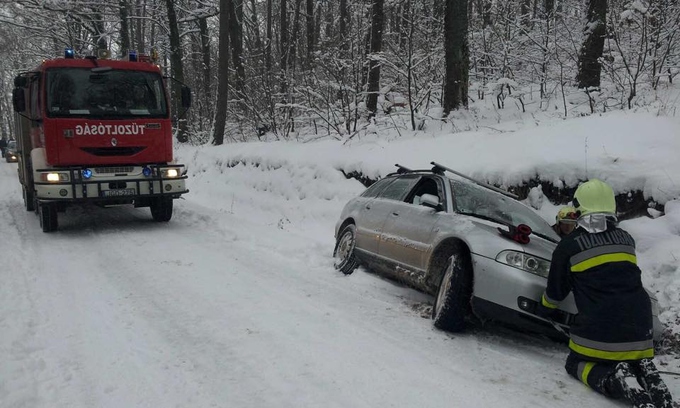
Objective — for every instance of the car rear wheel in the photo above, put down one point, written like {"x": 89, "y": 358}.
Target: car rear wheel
{"x": 345, "y": 260}
{"x": 452, "y": 304}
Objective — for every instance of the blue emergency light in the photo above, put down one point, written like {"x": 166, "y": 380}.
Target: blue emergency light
{"x": 69, "y": 53}
{"x": 87, "y": 173}
{"x": 132, "y": 56}
{"x": 147, "y": 171}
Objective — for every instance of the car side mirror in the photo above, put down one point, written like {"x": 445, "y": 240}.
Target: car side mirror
{"x": 430, "y": 200}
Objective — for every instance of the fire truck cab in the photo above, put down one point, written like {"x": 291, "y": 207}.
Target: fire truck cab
{"x": 96, "y": 131}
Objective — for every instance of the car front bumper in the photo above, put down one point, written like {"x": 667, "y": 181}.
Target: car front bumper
{"x": 518, "y": 292}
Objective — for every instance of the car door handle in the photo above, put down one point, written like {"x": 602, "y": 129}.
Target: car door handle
{"x": 396, "y": 214}
{"x": 368, "y": 206}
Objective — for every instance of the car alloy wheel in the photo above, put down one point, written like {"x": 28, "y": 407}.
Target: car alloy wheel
{"x": 345, "y": 261}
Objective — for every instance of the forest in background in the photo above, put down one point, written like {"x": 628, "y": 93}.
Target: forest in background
{"x": 276, "y": 69}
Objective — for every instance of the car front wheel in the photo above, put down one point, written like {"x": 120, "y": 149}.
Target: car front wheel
{"x": 452, "y": 304}
{"x": 345, "y": 260}
{"x": 161, "y": 209}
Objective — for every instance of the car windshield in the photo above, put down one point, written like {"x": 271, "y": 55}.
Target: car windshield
{"x": 104, "y": 93}
{"x": 484, "y": 203}
{"x": 12, "y": 145}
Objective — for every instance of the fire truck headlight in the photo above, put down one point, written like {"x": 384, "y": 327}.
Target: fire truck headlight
{"x": 54, "y": 177}
{"x": 170, "y": 173}
{"x": 87, "y": 173}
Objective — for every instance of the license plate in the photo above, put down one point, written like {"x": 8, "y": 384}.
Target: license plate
{"x": 119, "y": 192}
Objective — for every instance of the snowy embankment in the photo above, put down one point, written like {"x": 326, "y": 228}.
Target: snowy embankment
{"x": 299, "y": 186}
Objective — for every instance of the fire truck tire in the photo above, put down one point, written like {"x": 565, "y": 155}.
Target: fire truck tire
{"x": 161, "y": 209}
{"x": 48, "y": 217}
{"x": 29, "y": 199}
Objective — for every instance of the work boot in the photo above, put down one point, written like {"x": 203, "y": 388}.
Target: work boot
{"x": 651, "y": 380}
{"x": 623, "y": 383}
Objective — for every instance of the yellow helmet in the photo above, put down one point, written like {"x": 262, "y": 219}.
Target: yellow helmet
{"x": 594, "y": 196}
{"x": 566, "y": 214}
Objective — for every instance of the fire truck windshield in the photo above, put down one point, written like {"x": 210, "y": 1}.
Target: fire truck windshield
{"x": 104, "y": 94}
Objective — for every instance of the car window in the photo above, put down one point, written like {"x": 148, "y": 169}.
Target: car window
{"x": 11, "y": 145}
{"x": 398, "y": 189}
{"x": 427, "y": 185}
{"x": 374, "y": 189}
{"x": 475, "y": 200}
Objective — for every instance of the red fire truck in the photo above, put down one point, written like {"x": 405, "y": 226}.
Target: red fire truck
{"x": 96, "y": 130}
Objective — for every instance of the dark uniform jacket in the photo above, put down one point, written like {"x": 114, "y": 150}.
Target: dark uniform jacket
{"x": 614, "y": 321}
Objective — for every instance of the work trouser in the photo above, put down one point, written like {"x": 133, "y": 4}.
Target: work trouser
{"x": 591, "y": 373}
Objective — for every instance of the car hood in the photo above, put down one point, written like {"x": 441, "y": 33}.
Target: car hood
{"x": 484, "y": 238}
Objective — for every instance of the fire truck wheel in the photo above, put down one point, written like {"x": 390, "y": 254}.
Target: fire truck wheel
{"x": 161, "y": 209}
{"x": 29, "y": 200}
{"x": 48, "y": 217}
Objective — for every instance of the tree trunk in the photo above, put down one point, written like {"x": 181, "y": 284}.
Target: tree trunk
{"x": 293, "y": 60}
{"x": 177, "y": 68}
{"x": 222, "y": 75}
{"x": 284, "y": 45}
{"x": 124, "y": 14}
{"x": 525, "y": 12}
{"x": 593, "y": 44}
{"x": 311, "y": 38}
{"x": 139, "y": 32}
{"x": 456, "y": 55}
{"x": 99, "y": 30}
{"x": 270, "y": 40}
{"x": 344, "y": 25}
{"x": 377, "y": 23}
{"x": 236, "y": 42}
{"x": 205, "y": 54}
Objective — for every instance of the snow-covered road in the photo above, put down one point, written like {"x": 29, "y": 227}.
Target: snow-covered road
{"x": 218, "y": 309}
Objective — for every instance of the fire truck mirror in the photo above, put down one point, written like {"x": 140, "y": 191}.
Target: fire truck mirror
{"x": 20, "y": 81}
{"x": 186, "y": 97}
{"x": 18, "y": 99}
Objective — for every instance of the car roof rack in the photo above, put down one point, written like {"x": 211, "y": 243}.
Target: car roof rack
{"x": 439, "y": 169}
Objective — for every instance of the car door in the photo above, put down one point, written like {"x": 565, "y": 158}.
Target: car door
{"x": 374, "y": 206}
{"x": 408, "y": 230}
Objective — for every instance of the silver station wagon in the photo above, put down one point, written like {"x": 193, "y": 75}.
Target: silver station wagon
{"x": 477, "y": 249}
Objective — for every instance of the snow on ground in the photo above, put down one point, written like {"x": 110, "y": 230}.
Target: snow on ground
{"x": 235, "y": 302}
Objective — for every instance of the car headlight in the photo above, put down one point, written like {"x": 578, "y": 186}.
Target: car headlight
{"x": 54, "y": 177}
{"x": 170, "y": 173}
{"x": 528, "y": 263}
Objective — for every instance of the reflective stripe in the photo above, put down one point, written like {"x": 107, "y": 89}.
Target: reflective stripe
{"x": 583, "y": 371}
{"x": 603, "y": 259}
{"x": 631, "y": 345}
{"x": 547, "y": 302}
{"x": 612, "y": 351}
{"x": 601, "y": 250}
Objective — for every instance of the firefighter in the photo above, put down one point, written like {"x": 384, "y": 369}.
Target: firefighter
{"x": 611, "y": 346}
{"x": 565, "y": 221}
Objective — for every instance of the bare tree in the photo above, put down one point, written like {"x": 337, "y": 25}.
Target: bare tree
{"x": 589, "y": 66}
{"x": 223, "y": 75}
{"x": 377, "y": 24}
{"x": 124, "y": 11}
{"x": 456, "y": 55}
{"x": 177, "y": 67}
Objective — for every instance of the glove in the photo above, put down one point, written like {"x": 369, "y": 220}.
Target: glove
{"x": 545, "y": 312}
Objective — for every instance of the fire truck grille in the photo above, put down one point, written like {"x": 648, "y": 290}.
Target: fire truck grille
{"x": 114, "y": 170}
{"x": 113, "y": 151}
